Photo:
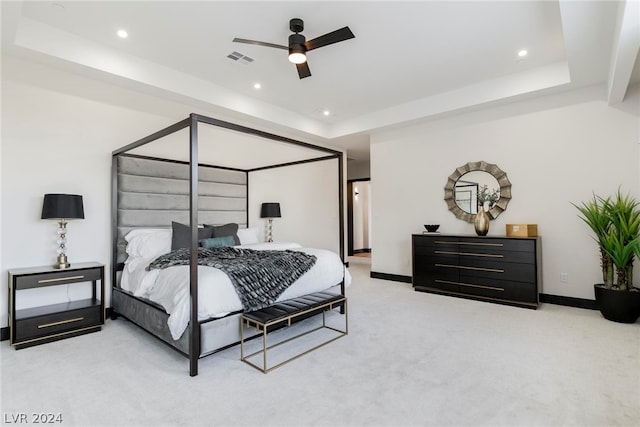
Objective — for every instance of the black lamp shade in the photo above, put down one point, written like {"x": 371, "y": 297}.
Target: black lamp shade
{"x": 62, "y": 206}
{"x": 270, "y": 210}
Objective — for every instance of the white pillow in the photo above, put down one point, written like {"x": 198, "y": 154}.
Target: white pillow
{"x": 148, "y": 243}
{"x": 248, "y": 236}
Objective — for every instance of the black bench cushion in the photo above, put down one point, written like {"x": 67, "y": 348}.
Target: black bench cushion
{"x": 284, "y": 309}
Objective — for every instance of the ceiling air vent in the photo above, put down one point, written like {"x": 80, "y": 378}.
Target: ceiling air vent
{"x": 238, "y": 57}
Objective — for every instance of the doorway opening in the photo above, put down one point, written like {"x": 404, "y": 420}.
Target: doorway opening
{"x": 359, "y": 218}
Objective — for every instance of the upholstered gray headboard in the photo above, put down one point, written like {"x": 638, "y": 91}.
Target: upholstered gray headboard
{"x": 152, "y": 193}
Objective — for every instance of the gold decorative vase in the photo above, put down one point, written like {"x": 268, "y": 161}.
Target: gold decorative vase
{"x": 481, "y": 222}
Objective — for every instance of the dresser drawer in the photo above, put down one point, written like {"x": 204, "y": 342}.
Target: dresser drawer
{"x": 466, "y": 254}
{"x": 433, "y": 242}
{"x": 500, "y": 289}
{"x": 48, "y": 324}
{"x": 445, "y": 280}
{"x": 62, "y": 277}
{"x": 506, "y": 251}
{"x": 438, "y": 284}
{"x": 469, "y": 254}
{"x": 496, "y": 270}
{"x": 510, "y": 245}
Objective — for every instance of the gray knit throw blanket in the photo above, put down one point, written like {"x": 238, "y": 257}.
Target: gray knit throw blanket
{"x": 259, "y": 277}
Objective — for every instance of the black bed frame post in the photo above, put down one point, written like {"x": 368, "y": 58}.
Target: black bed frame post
{"x": 341, "y": 202}
{"x": 341, "y": 220}
{"x": 114, "y": 221}
{"x": 194, "y": 325}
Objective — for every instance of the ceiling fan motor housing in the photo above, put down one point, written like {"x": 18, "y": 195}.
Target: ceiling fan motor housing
{"x": 297, "y": 41}
{"x": 296, "y": 25}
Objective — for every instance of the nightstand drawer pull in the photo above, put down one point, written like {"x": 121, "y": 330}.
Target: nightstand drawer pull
{"x": 62, "y": 322}
{"x": 60, "y": 279}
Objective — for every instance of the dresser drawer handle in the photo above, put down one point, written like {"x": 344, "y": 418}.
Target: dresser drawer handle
{"x": 469, "y": 254}
{"x": 470, "y": 285}
{"x": 494, "y": 270}
{"x": 444, "y": 242}
{"x": 62, "y": 322}
{"x": 60, "y": 279}
{"x": 493, "y": 288}
{"x": 497, "y": 245}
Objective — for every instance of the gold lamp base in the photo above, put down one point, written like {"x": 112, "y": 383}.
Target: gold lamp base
{"x": 61, "y": 262}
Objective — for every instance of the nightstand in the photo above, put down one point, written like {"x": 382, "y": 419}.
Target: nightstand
{"x": 52, "y": 322}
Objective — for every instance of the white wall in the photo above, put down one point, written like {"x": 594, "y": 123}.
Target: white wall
{"x": 56, "y": 139}
{"x": 358, "y": 169}
{"x": 555, "y": 150}
{"x": 308, "y": 197}
{"x": 53, "y": 143}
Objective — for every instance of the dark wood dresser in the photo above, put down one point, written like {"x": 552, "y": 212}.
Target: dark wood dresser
{"x": 504, "y": 270}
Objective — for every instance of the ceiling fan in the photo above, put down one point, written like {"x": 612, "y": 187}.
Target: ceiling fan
{"x": 298, "y": 47}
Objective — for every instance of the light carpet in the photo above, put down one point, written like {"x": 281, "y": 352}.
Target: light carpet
{"x": 410, "y": 359}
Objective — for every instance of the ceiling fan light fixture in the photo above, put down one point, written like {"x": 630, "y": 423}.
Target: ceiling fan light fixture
{"x": 297, "y": 55}
{"x": 297, "y": 58}
{"x": 297, "y": 49}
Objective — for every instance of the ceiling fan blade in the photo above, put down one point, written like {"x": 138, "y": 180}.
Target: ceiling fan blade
{"x": 303, "y": 70}
{"x": 277, "y": 46}
{"x": 333, "y": 37}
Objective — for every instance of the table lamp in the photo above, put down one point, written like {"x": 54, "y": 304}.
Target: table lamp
{"x": 62, "y": 207}
{"x": 270, "y": 210}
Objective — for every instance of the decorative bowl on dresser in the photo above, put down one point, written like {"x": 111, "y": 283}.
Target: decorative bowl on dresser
{"x": 504, "y": 270}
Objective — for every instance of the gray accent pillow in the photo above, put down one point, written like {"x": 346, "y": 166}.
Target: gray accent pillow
{"x": 230, "y": 229}
{"x": 217, "y": 242}
{"x": 181, "y": 236}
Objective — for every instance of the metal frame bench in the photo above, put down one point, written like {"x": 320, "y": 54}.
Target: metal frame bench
{"x": 285, "y": 313}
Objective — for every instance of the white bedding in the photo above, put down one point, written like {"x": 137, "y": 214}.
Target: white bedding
{"x": 216, "y": 294}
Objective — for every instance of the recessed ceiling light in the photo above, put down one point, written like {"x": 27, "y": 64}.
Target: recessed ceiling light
{"x": 122, "y": 34}
{"x": 257, "y": 85}
{"x": 522, "y": 53}
{"x": 326, "y": 112}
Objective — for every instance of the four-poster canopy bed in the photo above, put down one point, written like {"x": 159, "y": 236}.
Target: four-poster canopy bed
{"x": 176, "y": 203}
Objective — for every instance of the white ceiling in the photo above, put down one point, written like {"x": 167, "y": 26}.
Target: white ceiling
{"x": 409, "y": 61}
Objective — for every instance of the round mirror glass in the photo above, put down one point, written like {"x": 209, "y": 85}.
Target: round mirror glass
{"x": 467, "y": 187}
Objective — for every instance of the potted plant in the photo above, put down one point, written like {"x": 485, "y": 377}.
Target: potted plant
{"x": 487, "y": 198}
{"x": 615, "y": 222}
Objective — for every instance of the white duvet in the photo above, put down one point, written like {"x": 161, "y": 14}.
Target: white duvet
{"x": 217, "y": 297}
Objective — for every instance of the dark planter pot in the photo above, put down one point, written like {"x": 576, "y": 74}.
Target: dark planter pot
{"x": 618, "y": 306}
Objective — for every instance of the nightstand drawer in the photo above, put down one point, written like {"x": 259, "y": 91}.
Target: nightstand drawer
{"x": 62, "y": 277}
{"x": 46, "y": 325}
{"x": 498, "y": 289}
